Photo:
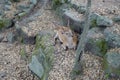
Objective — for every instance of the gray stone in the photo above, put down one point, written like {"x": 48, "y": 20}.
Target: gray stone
{"x": 42, "y": 60}
{"x": 116, "y": 18}
{"x": 22, "y": 36}
{"x": 95, "y": 42}
{"x": 2, "y": 74}
{"x": 104, "y": 21}
{"x": 36, "y": 67}
{"x": 7, "y": 7}
{"x": 5, "y": 23}
{"x": 23, "y": 7}
{"x": 1, "y": 37}
{"x": 81, "y": 9}
{"x": 33, "y": 1}
{"x": 2, "y": 1}
{"x": 98, "y": 20}
{"x": 112, "y": 62}
{"x": 1, "y": 13}
{"x": 60, "y": 10}
{"x": 75, "y": 23}
{"x": 8, "y": 2}
{"x": 11, "y": 37}
{"x": 93, "y": 19}
{"x": 112, "y": 36}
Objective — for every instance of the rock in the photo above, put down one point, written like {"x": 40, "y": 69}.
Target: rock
{"x": 60, "y": 10}
{"x": 2, "y": 74}
{"x": 1, "y": 13}
{"x": 5, "y": 23}
{"x": 2, "y": 1}
{"x": 36, "y": 67}
{"x": 104, "y": 21}
{"x": 1, "y": 37}
{"x": 112, "y": 62}
{"x": 33, "y": 2}
{"x": 23, "y": 7}
{"x": 112, "y": 36}
{"x": 81, "y": 9}
{"x": 98, "y": 20}
{"x": 58, "y": 3}
{"x": 76, "y": 21}
{"x": 29, "y": 40}
{"x": 95, "y": 42}
{"x": 116, "y": 18}
{"x": 42, "y": 60}
{"x": 93, "y": 19}
{"x": 7, "y": 7}
{"x": 11, "y": 37}
{"x": 8, "y": 2}
{"x": 22, "y": 14}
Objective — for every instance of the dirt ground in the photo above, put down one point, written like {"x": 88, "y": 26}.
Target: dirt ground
{"x": 13, "y": 67}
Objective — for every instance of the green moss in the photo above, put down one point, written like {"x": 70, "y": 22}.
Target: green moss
{"x": 102, "y": 46}
{"x": 107, "y": 75}
{"x": 39, "y": 42}
{"x": 23, "y": 54}
{"x": 58, "y": 3}
{"x": 93, "y": 23}
{"x": 77, "y": 72}
{"x": 108, "y": 69}
{"x": 42, "y": 41}
{"x": 2, "y": 24}
{"x": 5, "y": 23}
{"x": 44, "y": 52}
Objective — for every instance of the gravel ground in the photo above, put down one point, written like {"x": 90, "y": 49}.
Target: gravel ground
{"x": 12, "y": 67}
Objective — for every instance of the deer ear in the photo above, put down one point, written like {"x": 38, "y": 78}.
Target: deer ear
{"x": 68, "y": 23}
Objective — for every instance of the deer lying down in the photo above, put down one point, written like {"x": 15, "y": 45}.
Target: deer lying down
{"x": 68, "y": 38}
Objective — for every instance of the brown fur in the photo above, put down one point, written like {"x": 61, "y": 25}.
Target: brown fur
{"x": 67, "y": 37}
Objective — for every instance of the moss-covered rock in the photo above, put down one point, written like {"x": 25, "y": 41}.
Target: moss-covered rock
{"x": 104, "y": 21}
{"x": 43, "y": 54}
{"x": 112, "y": 36}
{"x": 98, "y": 20}
{"x": 111, "y": 62}
{"x": 102, "y": 45}
{"x": 58, "y": 3}
{"x": 95, "y": 42}
{"x": 116, "y": 18}
{"x": 93, "y": 19}
{"x": 5, "y": 23}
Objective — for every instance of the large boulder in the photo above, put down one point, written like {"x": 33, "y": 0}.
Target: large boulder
{"x": 76, "y": 21}
{"x": 42, "y": 59}
{"x": 104, "y": 21}
{"x": 95, "y": 42}
{"x": 93, "y": 19}
{"x": 111, "y": 61}
{"x": 22, "y": 34}
{"x": 98, "y": 20}
{"x": 112, "y": 36}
